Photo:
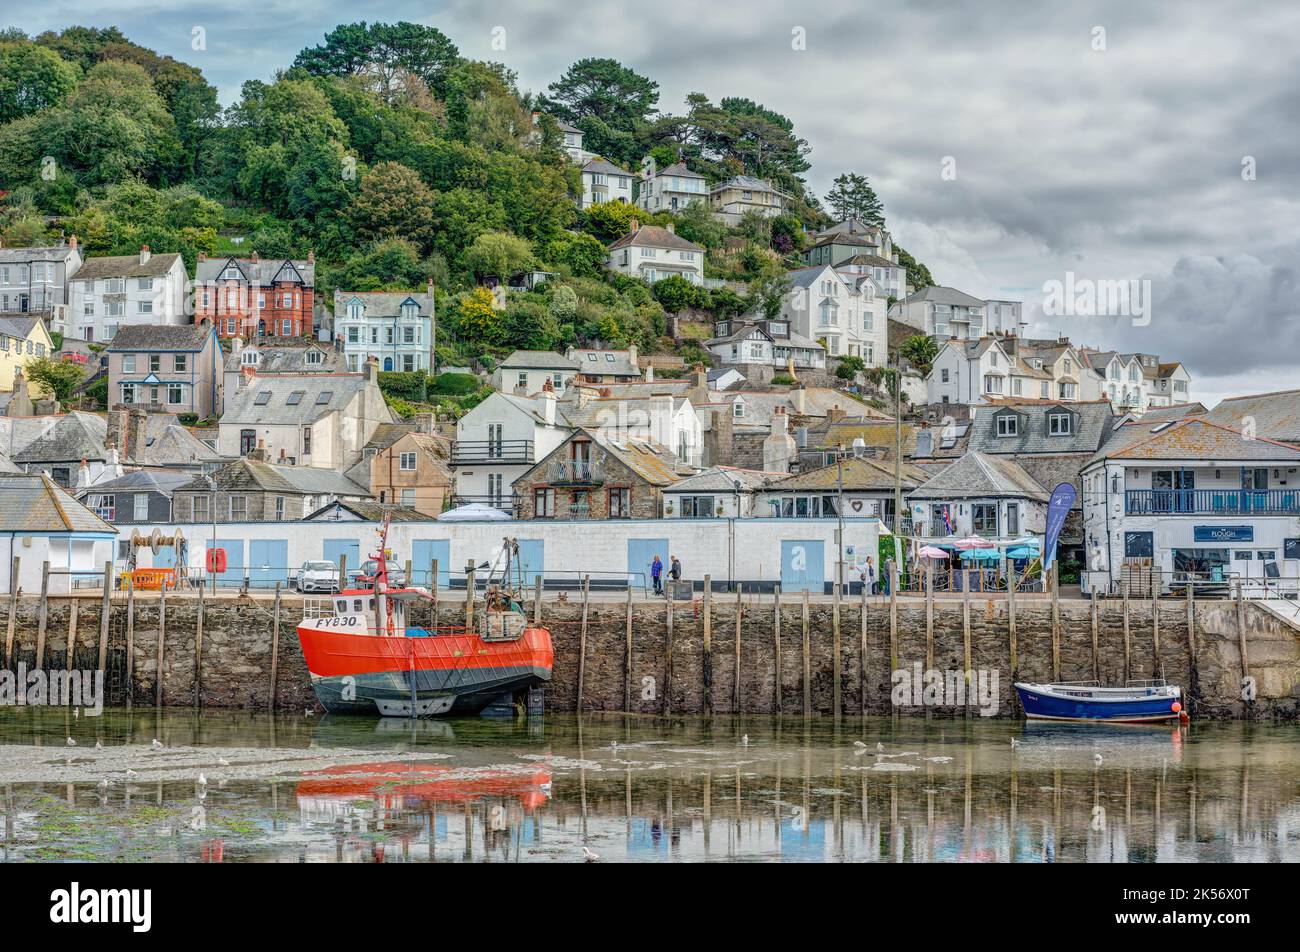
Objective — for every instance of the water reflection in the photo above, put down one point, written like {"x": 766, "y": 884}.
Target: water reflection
{"x": 298, "y": 789}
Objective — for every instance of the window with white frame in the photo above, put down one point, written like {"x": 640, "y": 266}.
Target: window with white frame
{"x": 406, "y": 463}
{"x": 141, "y": 511}
{"x": 1008, "y": 425}
{"x": 1059, "y": 424}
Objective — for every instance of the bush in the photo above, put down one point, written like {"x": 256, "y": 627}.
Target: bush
{"x": 453, "y": 385}
{"x": 185, "y": 419}
{"x": 783, "y": 380}
{"x": 410, "y": 385}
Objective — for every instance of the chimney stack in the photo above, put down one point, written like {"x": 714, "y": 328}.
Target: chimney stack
{"x": 779, "y": 446}
{"x": 253, "y": 257}
{"x": 144, "y": 254}
{"x": 633, "y": 226}
{"x": 258, "y": 455}
{"x": 372, "y": 369}
{"x": 72, "y": 242}
{"x": 672, "y": 229}
{"x": 136, "y": 423}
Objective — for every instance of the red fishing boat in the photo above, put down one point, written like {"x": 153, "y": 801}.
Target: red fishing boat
{"x": 364, "y": 658}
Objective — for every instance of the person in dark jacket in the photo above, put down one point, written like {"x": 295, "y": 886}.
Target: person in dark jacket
{"x": 656, "y": 574}
{"x": 674, "y": 568}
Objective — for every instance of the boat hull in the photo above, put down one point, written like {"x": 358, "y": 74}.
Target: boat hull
{"x": 418, "y": 673}
{"x": 1055, "y": 703}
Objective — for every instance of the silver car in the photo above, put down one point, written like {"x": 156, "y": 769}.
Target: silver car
{"x": 365, "y": 576}
{"x": 317, "y": 577}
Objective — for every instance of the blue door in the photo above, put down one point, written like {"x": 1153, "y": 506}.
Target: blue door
{"x": 531, "y": 560}
{"x": 268, "y": 562}
{"x": 640, "y": 553}
{"x": 166, "y": 558}
{"x": 335, "y": 549}
{"x": 234, "y": 573}
{"x": 423, "y": 552}
{"x": 803, "y": 568}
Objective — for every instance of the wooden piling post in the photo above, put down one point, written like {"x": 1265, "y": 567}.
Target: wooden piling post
{"x": 199, "y": 612}
{"x": 1096, "y": 646}
{"x": 965, "y": 641}
{"x": 1011, "y": 619}
{"x": 627, "y": 654}
{"x": 582, "y": 641}
{"x": 434, "y": 586}
{"x": 1193, "y": 676}
{"x": 862, "y": 648}
{"x": 739, "y": 612}
{"x": 707, "y": 660}
{"x": 13, "y": 612}
{"x": 42, "y": 616}
{"x": 668, "y": 661}
{"x": 1155, "y": 625}
{"x": 776, "y": 644}
{"x": 836, "y": 662}
{"x": 162, "y": 644}
{"x": 1241, "y": 633}
{"x": 469, "y": 595}
{"x": 893, "y": 615}
{"x": 275, "y": 644}
{"x": 343, "y": 573}
{"x": 1056, "y": 620}
{"x": 74, "y": 606}
{"x": 807, "y": 661}
{"x": 1127, "y": 638}
{"x": 130, "y": 639}
{"x": 104, "y": 610}
{"x": 410, "y": 579}
{"x": 537, "y": 598}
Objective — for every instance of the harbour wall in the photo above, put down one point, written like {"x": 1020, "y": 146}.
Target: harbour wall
{"x": 789, "y": 654}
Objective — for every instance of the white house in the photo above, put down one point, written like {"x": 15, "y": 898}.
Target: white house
{"x": 942, "y": 313}
{"x": 603, "y": 181}
{"x": 754, "y": 340}
{"x": 531, "y": 370}
{"x": 35, "y": 281}
{"x": 572, "y": 143}
{"x": 394, "y": 327}
{"x": 846, "y": 313}
{"x": 989, "y": 496}
{"x": 652, "y": 253}
{"x": 115, "y": 291}
{"x": 672, "y": 189}
{"x": 500, "y": 440}
{"x": 40, "y": 522}
{"x": 733, "y": 199}
{"x": 664, "y": 418}
{"x": 1194, "y": 499}
{"x": 1005, "y": 317}
{"x": 970, "y": 372}
{"x": 719, "y": 492}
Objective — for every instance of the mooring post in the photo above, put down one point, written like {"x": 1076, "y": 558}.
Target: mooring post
{"x": 42, "y": 616}
{"x": 104, "y": 614}
{"x": 433, "y": 593}
{"x": 668, "y": 661}
{"x": 862, "y": 647}
{"x": 706, "y": 663}
{"x": 13, "y": 613}
{"x": 1155, "y": 624}
{"x": 130, "y": 640}
{"x": 1056, "y": 620}
{"x": 776, "y": 644}
{"x": 73, "y": 608}
{"x": 1012, "y": 584}
{"x": 965, "y": 641}
{"x": 1096, "y": 647}
{"x": 537, "y": 598}
{"x": 1192, "y": 676}
{"x": 627, "y": 653}
{"x": 807, "y": 661}
{"x": 275, "y": 643}
{"x": 410, "y": 579}
{"x": 929, "y": 617}
{"x": 582, "y": 642}
{"x": 162, "y": 643}
{"x": 1127, "y": 640}
{"x": 739, "y": 612}
{"x": 199, "y": 610}
{"x": 836, "y": 661}
{"x": 893, "y": 616}
{"x": 469, "y": 595}
{"x": 343, "y": 574}
{"x": 1241, "y": 633}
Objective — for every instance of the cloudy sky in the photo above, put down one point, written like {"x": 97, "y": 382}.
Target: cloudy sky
{"x": 1154, "y": 142}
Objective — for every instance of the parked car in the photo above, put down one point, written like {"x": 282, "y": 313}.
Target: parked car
{"x": 317, "y": 577}
{"x": 365, "y": 576}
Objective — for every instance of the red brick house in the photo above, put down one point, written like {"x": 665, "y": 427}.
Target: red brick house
{"x": 254, "y": 298}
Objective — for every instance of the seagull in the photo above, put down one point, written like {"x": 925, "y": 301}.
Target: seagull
{"x": 613, "y": 745}
{"x": 203, "y": 781}
{"x": 223, "y": 761}
{"x": 1096, "y": 758}
{"x": 99, "y": 745}
{"x": 589, "y": 856}
{"x": 1014, "y": 743}
{"x": 858, "y": 743}
{"x": 744, "y": 740}
{"x": 130, "y": 772}
{"x": 880, "y": 747}
{"x": 157, "y": 744}
{"x": 102, "y": 785}
{"x": 71, "y": 742}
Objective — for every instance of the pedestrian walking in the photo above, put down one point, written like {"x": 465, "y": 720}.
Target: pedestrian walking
{"x": 674, "y": 568}
{"x": 656, "y": 575}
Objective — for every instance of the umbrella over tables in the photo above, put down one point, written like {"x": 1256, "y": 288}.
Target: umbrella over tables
{"x": 932, "y": 552}
{"x": 973, "y": 542}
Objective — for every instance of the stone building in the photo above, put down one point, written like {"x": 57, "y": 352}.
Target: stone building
{"x": 250, "y": 489}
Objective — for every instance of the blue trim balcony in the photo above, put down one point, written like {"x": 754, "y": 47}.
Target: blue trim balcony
{"x": 1212, "y": 502}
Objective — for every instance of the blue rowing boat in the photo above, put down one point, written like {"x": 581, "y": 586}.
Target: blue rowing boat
{"x": 1138, "y": 703}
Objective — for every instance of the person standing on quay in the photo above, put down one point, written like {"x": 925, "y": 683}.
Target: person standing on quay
{"x": 656, "y": 574}
{"x": 674, "y": 568}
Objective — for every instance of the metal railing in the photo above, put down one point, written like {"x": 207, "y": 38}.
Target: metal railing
{"x": 576, "y": 472}
{"x": 492, "y": 451}
{"x": 1225, "y": 502}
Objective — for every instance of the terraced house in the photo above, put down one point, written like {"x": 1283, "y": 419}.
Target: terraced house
{"x": 35, "y": 280}
{"x": 23, "y": 339}
{"x": 176, "y": 368}
{"x": 652, "y": 253}
{"x": 114, "y": 291}
{"x": 394, "y": 327}
{"x": 252, "y": 298}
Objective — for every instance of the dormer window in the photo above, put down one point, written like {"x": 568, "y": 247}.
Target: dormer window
{"x": 408, "y": 311}
{"x": 1008, "y": 425}
{"x": 1060, "y": 424}
{"x": 355, "y": 310}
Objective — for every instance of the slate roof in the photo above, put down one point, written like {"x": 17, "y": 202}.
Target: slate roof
{"x": 251, "y": 474}
{"x": 264, "y": 271}
{"x": 288, "y": 356}
{"x": 680, "y": 170}
{"x": 147, "y": 337}
{"x": 164, "y": 482}
{"x": 18, "y": 326}
{"x": 748, "y": 182}
{"x": 652, "y": 461}
{"x": 722, "y": 479}
{"x": 1091, "y": 428}
{"x": 870, "y": 261}
{"x": 382, "y": 303}
{"x": 843, "y": 238}
{"x": 1276, "y": 415}
{"x": 166, "y": 443}
{"x": 20, "y": 255}
{"x": 980, "y": 476}
{"x": 537, "y": 360}
{"x": 68, "y": 438}
{"x": 125, "y": 266}
{"x": 652, "y": 236}
{"x": 606, "y": 167}
{"x": 1193, "y": 438}
{"x": 859, "y": 474}
{"x": 386, "y": 434}
{"x": 620, "y": 366}
{"x": 318, "y": 395}
{"x": 36, "y": 504}
{"x": 942, "y": 295}
{"x": 374, "y": 511}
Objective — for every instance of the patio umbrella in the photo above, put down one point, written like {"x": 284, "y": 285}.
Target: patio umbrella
{"x": 1022, "y": 552}
{"x": 474, "y": 512}
{"x": 973, "y": 542}
{"x": 931, "y": 552}
{"x": 981, "y": 555}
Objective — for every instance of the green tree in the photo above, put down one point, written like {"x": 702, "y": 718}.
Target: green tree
{"x": 392, "y": 202}
{"x": 582, "y": 254}
{"x": 675, "y": 293}
{"x": 58, "y": 377}
{"x": 607, "y": 100}
{"x": 393, "y": 264}
{"x": 696, "y": 223}
{"x": 768, "y": 289}
{"x": 32, "y": 78}
{"x": 918, "y": 275}
{"x": 851, "y": 196}
{"x": 477, "y": 319}
{"x": 920, "y": 351}
{"x": 382, "y": 54}
{"x": 849, "y": 367}
{"x": 610, "y": 220}
{"x": 499, "y": 254}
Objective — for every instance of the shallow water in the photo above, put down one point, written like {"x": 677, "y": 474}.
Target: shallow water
{"x": 294, "y": 788}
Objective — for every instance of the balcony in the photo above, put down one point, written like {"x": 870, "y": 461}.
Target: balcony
{"x": 576, "y": 472}
{"x": 1212, "y": 502}
{"x": 508, "y": 504}
{"x": 470, "y": 452}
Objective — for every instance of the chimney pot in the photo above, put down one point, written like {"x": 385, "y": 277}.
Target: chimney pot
{"x": 144, "y": 254}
